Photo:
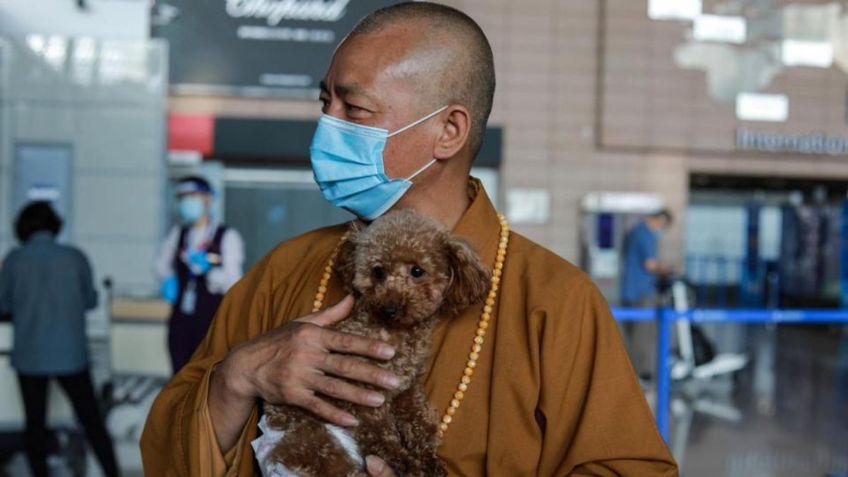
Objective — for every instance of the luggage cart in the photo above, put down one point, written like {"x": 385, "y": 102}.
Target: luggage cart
{"x": 696, "y": 357}
{"x": 696, "y": 370}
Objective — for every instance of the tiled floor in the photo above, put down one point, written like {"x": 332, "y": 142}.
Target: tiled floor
{"x": 781, "y": 416}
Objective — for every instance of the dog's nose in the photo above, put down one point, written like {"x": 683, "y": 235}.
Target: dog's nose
{"x": 389, "y": 312}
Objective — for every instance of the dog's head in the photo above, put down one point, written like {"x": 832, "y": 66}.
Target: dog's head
{"x": 405, "y": 268}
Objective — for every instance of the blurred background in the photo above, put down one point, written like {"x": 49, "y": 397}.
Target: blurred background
{"x": 729, "y": 115}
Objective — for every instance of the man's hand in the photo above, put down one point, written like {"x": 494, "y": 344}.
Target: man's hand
{"x": 377, "y": 467}
{"x": 292, "y": 365}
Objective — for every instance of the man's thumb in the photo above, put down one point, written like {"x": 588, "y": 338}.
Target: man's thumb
{"x": 333, "y": 314}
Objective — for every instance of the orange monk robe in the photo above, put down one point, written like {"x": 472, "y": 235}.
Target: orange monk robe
{"x": 553, "y": 393}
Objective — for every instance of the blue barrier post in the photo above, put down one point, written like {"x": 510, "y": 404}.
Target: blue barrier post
{"x": 665, "y": 317}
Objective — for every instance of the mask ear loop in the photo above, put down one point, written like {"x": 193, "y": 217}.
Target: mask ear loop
{"x": 419, "y": 171}
{"x": 416, "y": 123}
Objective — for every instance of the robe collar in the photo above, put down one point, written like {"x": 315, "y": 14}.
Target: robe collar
{"x": 480, "y": 224}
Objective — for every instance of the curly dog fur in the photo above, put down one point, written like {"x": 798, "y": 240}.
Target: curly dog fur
{"x": 405, "y": 271}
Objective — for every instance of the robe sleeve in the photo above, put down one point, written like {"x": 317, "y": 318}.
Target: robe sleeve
{"x": 212, "y": 461}
{"x": 179, "y": 438}
{"x": 593, "y": 411}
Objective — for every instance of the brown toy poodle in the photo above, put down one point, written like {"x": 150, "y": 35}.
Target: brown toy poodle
{"x": 405, "y": 271}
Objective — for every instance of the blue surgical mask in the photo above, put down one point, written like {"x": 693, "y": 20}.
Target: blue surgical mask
{"x": 191, "y": 208}
{"x": 347, "y": 162}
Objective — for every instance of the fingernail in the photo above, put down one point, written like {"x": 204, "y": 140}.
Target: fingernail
{"x": 391, "y": 381}
{"x": 386, "y": 351}
{"x": 376, "y": 399}
{"x": 375, "y": 465}
{"x": 350, "y": 421}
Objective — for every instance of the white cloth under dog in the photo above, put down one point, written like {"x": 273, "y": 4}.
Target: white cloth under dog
{"x": 265, "y": 443}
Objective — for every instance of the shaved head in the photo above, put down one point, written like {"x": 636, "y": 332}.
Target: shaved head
{"x": 449, "y": 60}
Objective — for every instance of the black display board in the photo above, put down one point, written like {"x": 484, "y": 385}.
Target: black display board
{"x": 254, "y": 47}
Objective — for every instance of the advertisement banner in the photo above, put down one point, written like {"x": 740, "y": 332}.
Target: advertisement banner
{"x": 254, "y": 47}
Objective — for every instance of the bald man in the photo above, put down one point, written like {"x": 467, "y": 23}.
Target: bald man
{"x": 546, "y": 386}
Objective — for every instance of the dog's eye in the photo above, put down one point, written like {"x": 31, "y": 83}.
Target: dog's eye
{"x": 378, "y": 273}
{"x": 417, "y": 272}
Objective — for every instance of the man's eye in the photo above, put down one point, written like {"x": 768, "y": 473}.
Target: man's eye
{"x": 416, "y": 272}
{"x": 324, "y": 104}
{"x": 354, "y": 109}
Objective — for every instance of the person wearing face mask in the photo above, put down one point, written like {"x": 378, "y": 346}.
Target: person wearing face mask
{"x": 197, "y": 263}
{"x": 535, "y": 381}
{"x": 641, "y": 269}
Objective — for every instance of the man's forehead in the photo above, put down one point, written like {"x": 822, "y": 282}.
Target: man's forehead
{"x": 350, "y": 73}
{"x": 366, "y": 64}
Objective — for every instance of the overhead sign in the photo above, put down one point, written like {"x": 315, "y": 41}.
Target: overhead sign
{"x": 254, "y": 47}
{"x": 778, "y": 142}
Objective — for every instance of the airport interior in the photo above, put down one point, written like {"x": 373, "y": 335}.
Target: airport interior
{"x": 729, "y": 115}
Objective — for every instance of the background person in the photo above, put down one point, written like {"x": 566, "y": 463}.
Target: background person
{"x": 642, "y": 267}
{"x": 47, "y": 288}
{"x": 197, "y": 263}
{"x": 641, "y": 263}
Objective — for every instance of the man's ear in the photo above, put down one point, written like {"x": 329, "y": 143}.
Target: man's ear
{"x": 454, "y": 134}
{"x": 344, "y": 265}
{"x": 469, "y": 280}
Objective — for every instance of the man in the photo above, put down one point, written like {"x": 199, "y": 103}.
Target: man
{"x": 197, "y": 263}
{"x": 639, "y": 286}
{"x": 551, "y": 393}
{"x": 641, "y": 262}
{"x": 47, "y": 288}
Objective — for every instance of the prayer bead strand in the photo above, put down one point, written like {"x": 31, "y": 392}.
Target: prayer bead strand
{"x": 482, "y": 326}
{"x": 325, "y": 278}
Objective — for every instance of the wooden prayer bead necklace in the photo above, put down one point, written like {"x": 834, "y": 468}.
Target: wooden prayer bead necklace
{"x": 482, "y": 324}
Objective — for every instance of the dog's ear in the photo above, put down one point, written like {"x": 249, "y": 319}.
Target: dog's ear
{"x": 345, "y": 264}
{"x": 469, "y": 280}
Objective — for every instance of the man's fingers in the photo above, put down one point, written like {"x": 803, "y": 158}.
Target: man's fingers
{"x": 353, "y": 344}
{"x": 327, "y": 411}
{"x": 345, "y": 391}
{"x": 333, "y": 314}
{"x": 358, "y": 370}
{"x": 377, "y": 467}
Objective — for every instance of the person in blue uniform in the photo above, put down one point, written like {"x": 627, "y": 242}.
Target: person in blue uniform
{"x": 639, "y": 285}
{"x": 47, "y": 287}
{"x": 197, "y": 263}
